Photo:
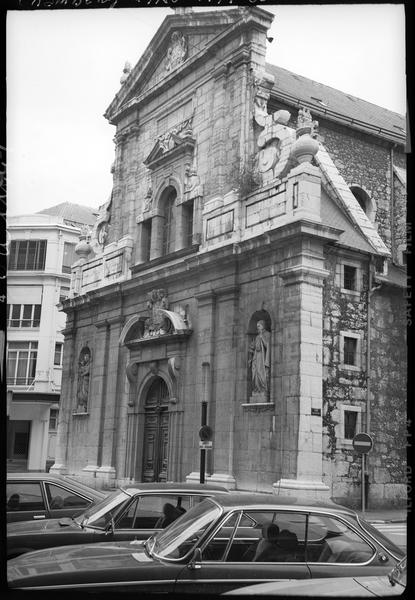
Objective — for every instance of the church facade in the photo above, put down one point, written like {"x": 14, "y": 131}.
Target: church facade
{"x": 247, "y": 272}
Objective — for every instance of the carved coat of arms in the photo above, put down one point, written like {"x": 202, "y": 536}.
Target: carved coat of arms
{"x": 177, "y": 50}
{"x": 157, "y": 323}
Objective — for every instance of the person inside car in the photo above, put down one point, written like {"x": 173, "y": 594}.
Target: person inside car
{"x": 170, "y": 514}
{"x": 14, "y": 502}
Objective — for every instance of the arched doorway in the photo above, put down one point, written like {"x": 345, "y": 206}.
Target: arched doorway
{"x": 156, "y": 432}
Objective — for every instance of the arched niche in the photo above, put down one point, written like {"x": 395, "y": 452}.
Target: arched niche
{"x": 259, "y": 357}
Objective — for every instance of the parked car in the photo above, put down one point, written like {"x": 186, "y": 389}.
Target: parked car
{"x": 124, "y": 514}
{"x": 383, "y": 586}
{"x": 35, "y": 496}
{"x": 220, "y": 544}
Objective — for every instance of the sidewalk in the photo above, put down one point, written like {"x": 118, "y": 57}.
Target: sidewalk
{"x": 384, "y": 516}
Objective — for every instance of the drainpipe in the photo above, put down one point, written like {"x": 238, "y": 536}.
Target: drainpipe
{"x": 370, "y": 290}
{"x": 392, "y": 200}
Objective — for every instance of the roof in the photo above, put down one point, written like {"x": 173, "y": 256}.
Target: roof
{"x": 396, "y": 276}
{"x": 170, "y": 486}
{"x": 244, "y": 499}
{"x": 42, "y": 476}
{"x": 336, "y": 105}
{"x": 73, "y": 214}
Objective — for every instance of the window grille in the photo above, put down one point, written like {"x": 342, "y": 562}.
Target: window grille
{"x": 27, "y": 255}
{"x": 350, "y": 424}
{"x": 349, "y": 281}
{"x": 23, "y": 315}
{"x": 21, "y": 362}
{"x": 350, "y": 351}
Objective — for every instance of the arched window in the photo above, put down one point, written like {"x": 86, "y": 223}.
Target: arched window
{"x": 168, "y": 225}
{"x": 366, "y": 203}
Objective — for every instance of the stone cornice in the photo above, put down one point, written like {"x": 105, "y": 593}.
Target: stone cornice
{"x": 159, "y": 339}
{"x": 109, "y": 322}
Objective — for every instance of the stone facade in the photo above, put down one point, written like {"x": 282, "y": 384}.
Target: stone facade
{"x": 224, "y": 214}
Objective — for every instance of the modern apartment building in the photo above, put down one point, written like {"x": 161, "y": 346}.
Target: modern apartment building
{"x": 41, "y": 252}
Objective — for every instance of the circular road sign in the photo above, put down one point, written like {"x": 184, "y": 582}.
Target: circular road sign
{"x": 205, "y": 433}
{"x": 363, "y": 443}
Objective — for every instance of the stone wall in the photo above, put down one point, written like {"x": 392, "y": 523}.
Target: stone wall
{"x": 342, "y": 386}
{"x": 388, "y": 376}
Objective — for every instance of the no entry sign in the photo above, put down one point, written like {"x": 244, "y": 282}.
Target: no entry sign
{"x": 363, "y": 443}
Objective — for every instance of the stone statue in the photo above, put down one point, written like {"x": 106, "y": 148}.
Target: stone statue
{"x": 259, "y": 359}
{"x": 84, "y": 365}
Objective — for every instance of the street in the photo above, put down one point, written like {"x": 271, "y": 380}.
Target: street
{"x": 394, "y": 531}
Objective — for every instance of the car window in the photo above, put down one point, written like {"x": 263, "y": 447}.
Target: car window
{"x": 100, "y": 515}
{"x": 153, "y": 511}
{"x": 266, "y": 536}
{"x": 23, "y": 496}
{"x": 59, "y": 497}
{"x": 332, "y": 541}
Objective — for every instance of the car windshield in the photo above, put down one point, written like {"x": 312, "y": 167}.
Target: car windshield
{"x": 182, "y": 534}
{"x": 378, "y": 535}
{"x": 100, "y": 514}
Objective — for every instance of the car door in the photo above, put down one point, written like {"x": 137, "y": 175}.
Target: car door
{"x": 228, "y": 557}
{"x": 334, "y": 549}
{"x": 25, "y": 501}
{"x": 144, "y": 514}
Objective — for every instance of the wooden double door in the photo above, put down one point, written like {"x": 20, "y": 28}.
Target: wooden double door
{"x": 156, "y": 432}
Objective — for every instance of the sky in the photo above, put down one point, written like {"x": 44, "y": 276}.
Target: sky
{"x": 63, "y": 69}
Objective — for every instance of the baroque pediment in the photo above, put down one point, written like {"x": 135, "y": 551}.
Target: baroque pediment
{"x": 160, "y": 324}
{"x": 178, "y": 140}
{"x": 181, "y": 40}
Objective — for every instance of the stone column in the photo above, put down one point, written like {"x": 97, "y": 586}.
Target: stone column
{"x": 175, "y": 443}
{"x": 206, "y": 356}
{"x": 156, "y": 248}
{"x": 107, "y": 439}
{"x": 301, "y": 403}
{"x": 142, "y": 241}
{"x": 60, "y": 466}
{"x": 224, "y": 383}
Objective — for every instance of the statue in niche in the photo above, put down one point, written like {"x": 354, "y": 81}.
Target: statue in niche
{"x": 82, "y": 392}
{"x": 259, "y": 360}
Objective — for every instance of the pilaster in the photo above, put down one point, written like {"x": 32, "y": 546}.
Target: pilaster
{"x": 303, "y": 276}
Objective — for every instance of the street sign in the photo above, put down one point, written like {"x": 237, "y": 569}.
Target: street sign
{"x": 206, "y": 445}
{"x": 205, "y": 433}
{"x": 363, "y": 443}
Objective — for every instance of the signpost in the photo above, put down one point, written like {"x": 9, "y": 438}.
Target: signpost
{"x": 205, "y": 434}
{"x": 363, "y": 443}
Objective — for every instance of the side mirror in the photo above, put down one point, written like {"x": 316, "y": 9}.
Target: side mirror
{"x": 196, "y": 562}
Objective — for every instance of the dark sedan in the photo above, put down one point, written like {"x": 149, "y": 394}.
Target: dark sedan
{"x": 125, "y": 514}
{"x": 224, "y": 542}
{"x": 383, "y": 586}
{"x": 43, "y": 496}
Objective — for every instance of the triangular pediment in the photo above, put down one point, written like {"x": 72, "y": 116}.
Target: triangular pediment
{"x": 346, "y": 214}
{"x": 181, "y": 40}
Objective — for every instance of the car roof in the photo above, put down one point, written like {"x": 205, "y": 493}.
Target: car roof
{"x": 263, "y": 500}
{"x": 42, "y": 476}
{"x": 197, "y": 488}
